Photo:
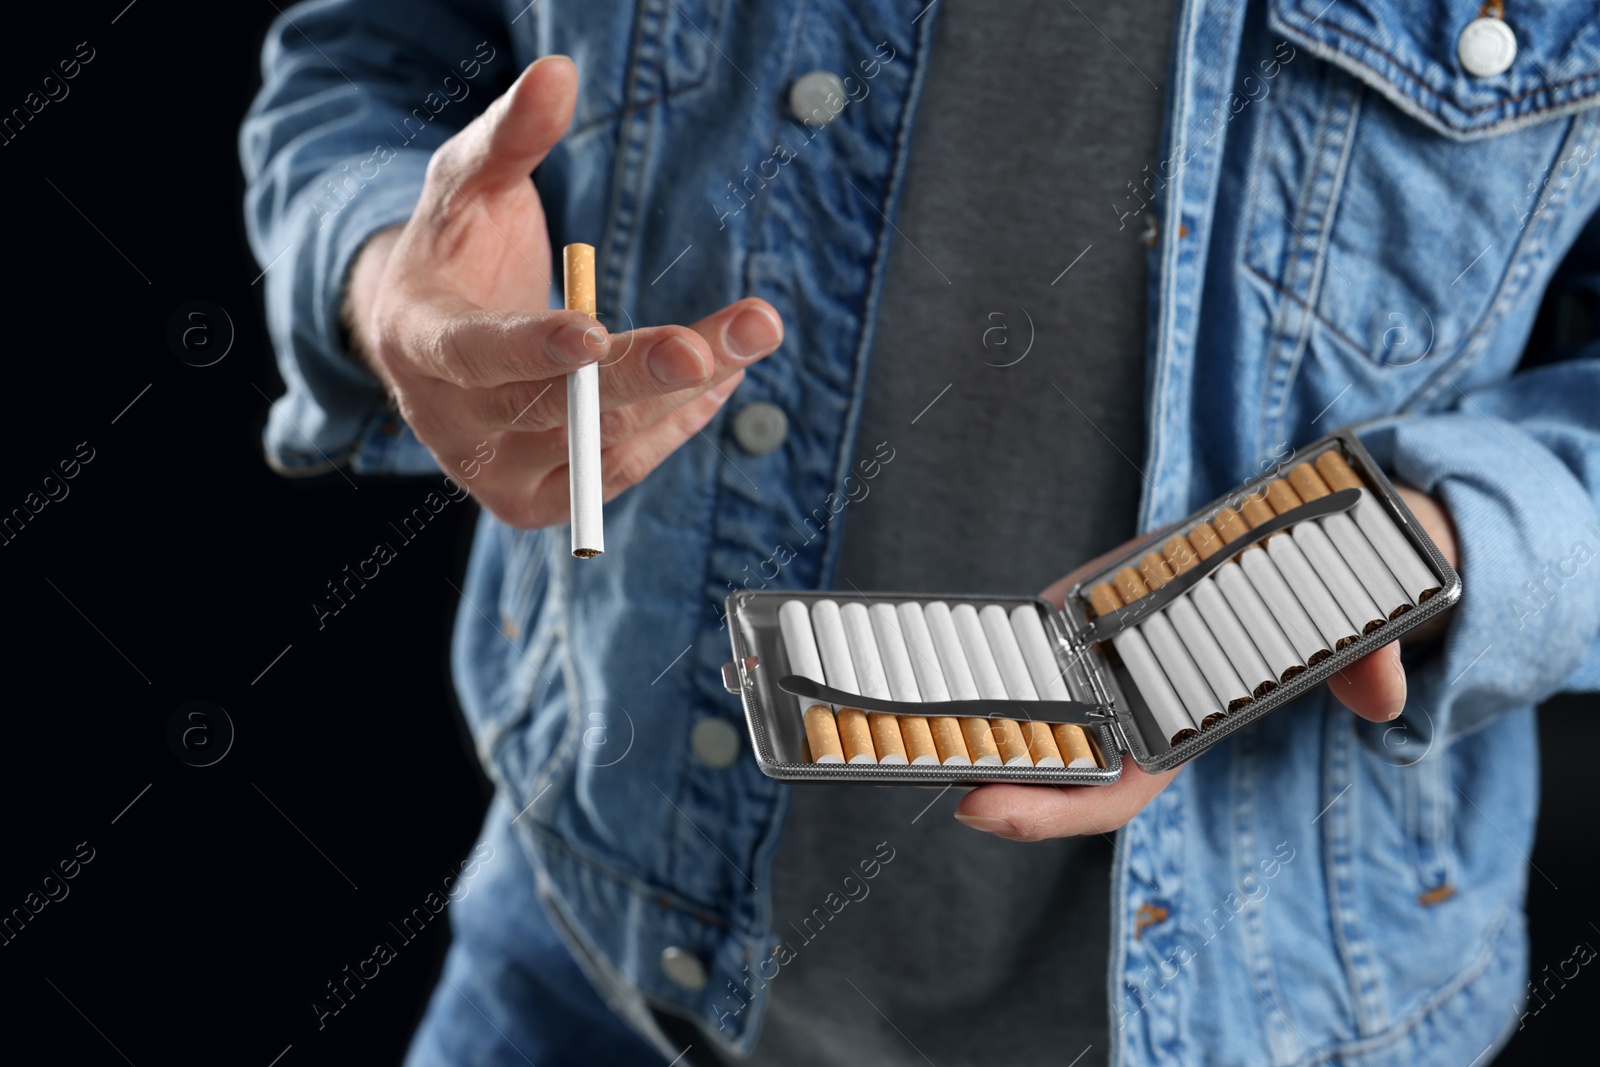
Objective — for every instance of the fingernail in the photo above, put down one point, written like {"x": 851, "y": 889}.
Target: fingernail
{"x": 573, "y": 346}
{"x": 753, "y": 332}
{"x": 675, "y": 362}
{"x": 999, "y": 827}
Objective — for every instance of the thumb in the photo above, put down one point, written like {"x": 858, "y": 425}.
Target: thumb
{"x": 502, "y": 146}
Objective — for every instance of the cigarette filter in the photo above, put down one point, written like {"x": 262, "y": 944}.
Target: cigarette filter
{"x": 1402, "y": 560}
{"x": 1353, "y": 546}
{"x": 856, "y": 736}
{"x": 584, "y": 478}
{"x": 822, "y": 735}
{"x": 1041, "y": 744}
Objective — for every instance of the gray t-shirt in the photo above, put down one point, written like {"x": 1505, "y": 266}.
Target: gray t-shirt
{"x": 966, "y": 948}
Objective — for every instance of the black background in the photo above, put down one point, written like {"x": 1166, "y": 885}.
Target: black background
{"x": 180, "y": 568}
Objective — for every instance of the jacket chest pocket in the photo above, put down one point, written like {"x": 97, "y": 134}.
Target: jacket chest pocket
{"x": 1399, "y": 203}
{"x": 667, "y": 47}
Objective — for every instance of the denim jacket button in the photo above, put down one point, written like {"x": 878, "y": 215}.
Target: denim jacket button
{"x": 683, "y": 969}
{"x": 715, "y": 743}
{"x": 816, "y": 98}
{"x": 1487, "y": 46}
{"x": 760, "y": 427}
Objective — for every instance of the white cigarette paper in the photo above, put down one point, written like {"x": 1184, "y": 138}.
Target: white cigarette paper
{"x": 794, "y": 621}
{"x": 889, "y": 626}
{"x": 953, "y": 664}
{"x": 1402, "y": 560}
{"x": 980, "y": 657}
{"x": 1346, "y": 588}
{"x": 1225, "y": 682}
{"x": 1291, "y": 617}
{"x": 870, "y": 674}
{"x": 1257, "y": 620}
{"x": 1176, "y": 664}
{"x": 1336, "y": 630}
{"x": 835, "y": 649}
{"x": 920, "y": 651}
{"x": 1159, "y": 696}
{"x": 1252, "y": 669}
{"x": 1013, "y": 666}
{"x": 1041, "y": 661}
{"x": 1358, "y": 552}
{"x": 584, "y": 479}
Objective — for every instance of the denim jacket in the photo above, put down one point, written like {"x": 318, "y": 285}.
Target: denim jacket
{"x": 1347, "y": 226}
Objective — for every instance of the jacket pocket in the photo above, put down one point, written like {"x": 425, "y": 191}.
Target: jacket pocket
{"x": 1389, "y": 229}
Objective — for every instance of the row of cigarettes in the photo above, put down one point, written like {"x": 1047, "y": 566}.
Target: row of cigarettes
{"x": 1278, "y": 607}
{"x": 928, "y": 653}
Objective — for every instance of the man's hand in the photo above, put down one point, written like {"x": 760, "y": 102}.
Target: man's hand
{"x": 1374, "y": 687}
{"x": 451, "y": 312}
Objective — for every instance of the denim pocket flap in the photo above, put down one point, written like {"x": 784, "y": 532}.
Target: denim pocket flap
{"x": 1410, "y": 51}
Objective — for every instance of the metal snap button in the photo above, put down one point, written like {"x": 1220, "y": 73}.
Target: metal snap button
{"x": 817, "y": 97}
{"x": 715, "y": 743}
{"x": 1486, "y": 47}
{"x": 760, "y": 427}
{"x": 683, "y": 969}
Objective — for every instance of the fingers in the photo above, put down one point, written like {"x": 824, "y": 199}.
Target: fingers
{"x": 647, "y": 362}
{"x": 1374, "y": 686}
{"x": 1031, "y": 813}
{"x": 526, "y": 484}
{"x": 642, "y": 372}
{"x": 502, "y": 146}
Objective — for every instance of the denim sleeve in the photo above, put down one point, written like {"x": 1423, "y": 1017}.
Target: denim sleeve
{"x": 355, "y": 97}
{"x": 1517, "y": 464}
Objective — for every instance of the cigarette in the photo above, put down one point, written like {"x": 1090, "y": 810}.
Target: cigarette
{"x": 856, "y": 736}
{"x": 822, "y": 735}
{"x": 1176, "y": 663}
{"x": 1346, "y": 588}
{"x": 794, "y": 621}
{"x": 957, "y": 675}
{"x": 837, "y": 667}
{"x": 995, "y": 634}
{"x": 1251, "y": 669}
{"x": 1325, "y": 612}
{"x": 1203, "y": 646}
{"x": 1048, "y": 683}
{"x": 959, "y": 638}
{"x": 1159, "y": 696}
{"x": 1263, "y": 574}
{"x": 1251, "y": 610}
{"x": 1042, "y": 749}
{"x": 1396, "y": 552}
{"x": 583, "y": 416}
{"x": 1353, "y": 546}
{"x": 1074, "y": 745}
{"x": 888, "y": 746}
{"x": 888, "y": 626}
{"x": 992, "y": 682}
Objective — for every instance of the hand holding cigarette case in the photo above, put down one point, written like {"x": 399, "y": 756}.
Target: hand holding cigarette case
{"x": 1190, "y": 634}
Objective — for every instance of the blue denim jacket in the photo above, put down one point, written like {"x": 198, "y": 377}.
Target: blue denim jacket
{"x": 1346, "y": 228}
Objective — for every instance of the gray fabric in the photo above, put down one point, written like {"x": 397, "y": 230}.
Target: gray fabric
{"x": 966, "y": 948}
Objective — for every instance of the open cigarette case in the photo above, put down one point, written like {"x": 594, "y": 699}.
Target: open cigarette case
{"x": 1193, "y": 633}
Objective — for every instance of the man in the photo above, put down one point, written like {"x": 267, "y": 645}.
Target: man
{"x": 1346, "y": 216}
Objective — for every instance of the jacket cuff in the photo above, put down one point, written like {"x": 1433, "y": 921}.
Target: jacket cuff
{"x": 333, "y": 412}
{"x": 1529, "y": 538}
